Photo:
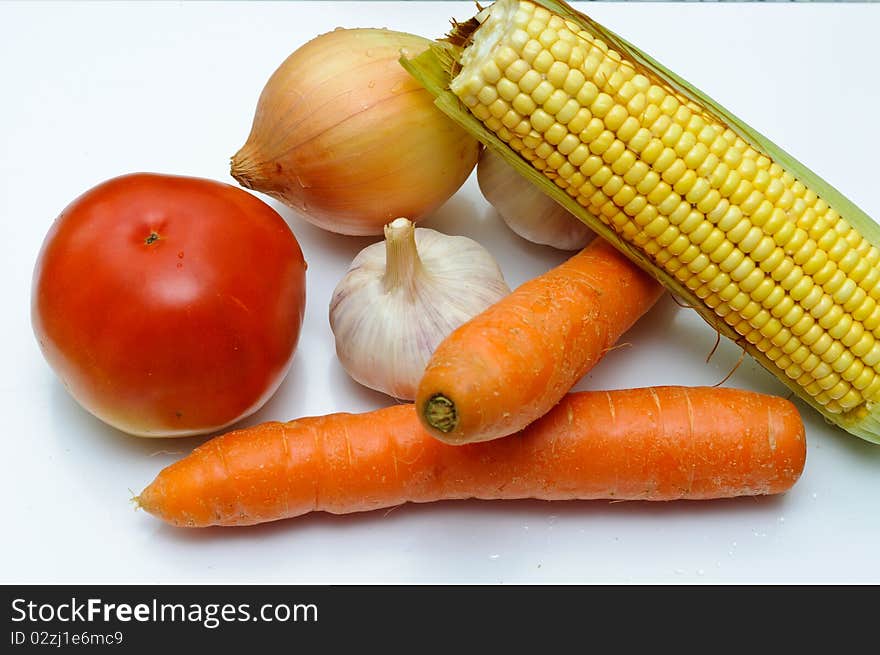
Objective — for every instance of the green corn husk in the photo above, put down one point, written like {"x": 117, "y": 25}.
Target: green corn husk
{"x": 436, "y": 67}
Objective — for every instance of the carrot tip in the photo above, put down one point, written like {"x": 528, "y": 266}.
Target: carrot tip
{"x": 138, "y": 501}
{"x": 440, "y": 413}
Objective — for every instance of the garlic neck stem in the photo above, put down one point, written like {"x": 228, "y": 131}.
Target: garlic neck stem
{"x": 402, "y": 263}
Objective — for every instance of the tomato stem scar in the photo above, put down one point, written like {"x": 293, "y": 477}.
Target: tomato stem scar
{"x": 152, "y": 238}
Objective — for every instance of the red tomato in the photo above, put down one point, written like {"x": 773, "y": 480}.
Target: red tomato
{"x": 169, "y": 305}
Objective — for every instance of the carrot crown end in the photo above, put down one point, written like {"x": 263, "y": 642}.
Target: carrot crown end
{"x": 440, "y": 413}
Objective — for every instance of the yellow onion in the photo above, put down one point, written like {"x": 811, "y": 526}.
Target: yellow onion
{"x": 343, "y": 134}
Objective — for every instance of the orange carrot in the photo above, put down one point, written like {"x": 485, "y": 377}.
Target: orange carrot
{"x": 509, "y": 365}
{"x": 660, "y": 443}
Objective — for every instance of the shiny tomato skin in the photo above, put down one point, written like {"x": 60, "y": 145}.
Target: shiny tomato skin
{"x": 169, "y": 305}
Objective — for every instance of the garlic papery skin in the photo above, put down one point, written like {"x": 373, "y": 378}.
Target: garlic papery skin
{"x": 401, "y": 298}
{"x": 527, "y": 211}
{"x": 345, "y": 136}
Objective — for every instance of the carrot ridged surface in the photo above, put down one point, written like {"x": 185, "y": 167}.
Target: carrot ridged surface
{"x": 510, "y": 364}
{"x": 661, "y": 443}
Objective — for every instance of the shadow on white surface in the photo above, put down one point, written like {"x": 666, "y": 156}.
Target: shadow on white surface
{"x": 858, "y": 452}
{"x": 461, "y": 215}
{"x": 346, "y": 390}
{"x": 468, "y": 512}
{"x": 318, "y": 243}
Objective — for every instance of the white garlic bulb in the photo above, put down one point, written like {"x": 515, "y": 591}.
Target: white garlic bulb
{"x": 527, "y": 211}
{"x": 401, "y": 298}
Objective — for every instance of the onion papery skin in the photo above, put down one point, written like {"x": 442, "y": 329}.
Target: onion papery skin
{"x": 345, "y": 136}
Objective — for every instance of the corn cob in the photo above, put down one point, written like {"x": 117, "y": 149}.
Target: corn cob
{"x": 766, "y": 251}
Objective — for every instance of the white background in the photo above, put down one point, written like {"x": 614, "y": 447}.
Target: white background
{"x": 93, "y": 91}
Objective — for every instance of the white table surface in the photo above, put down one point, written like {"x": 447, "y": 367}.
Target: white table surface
{"x": 91, "y": 91}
